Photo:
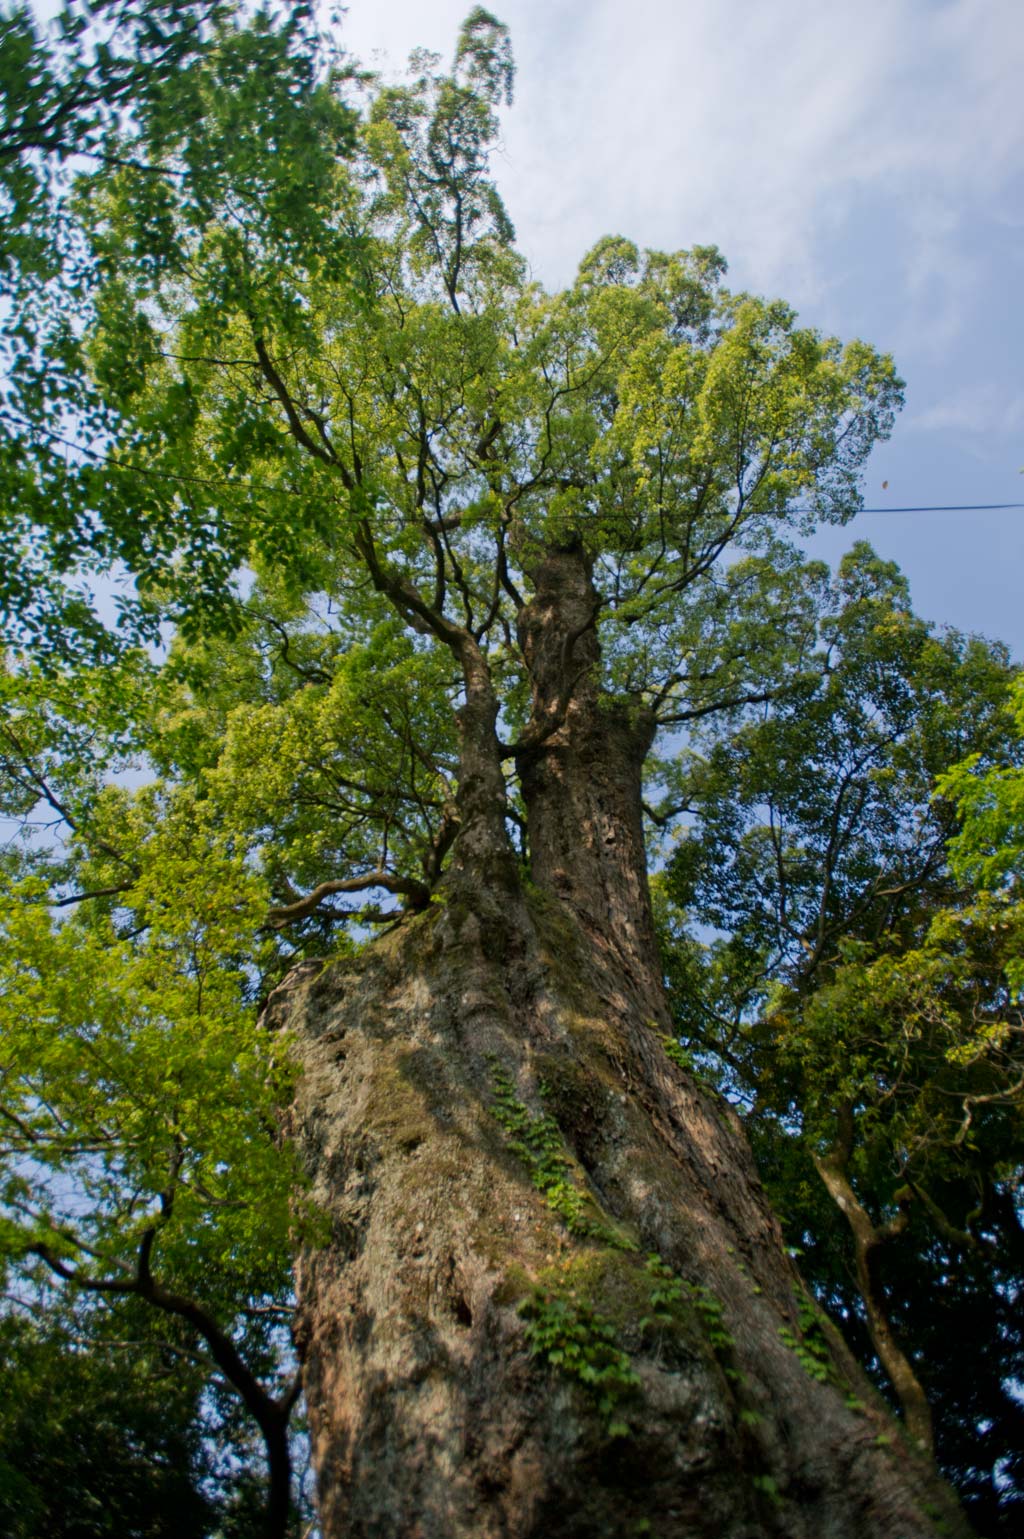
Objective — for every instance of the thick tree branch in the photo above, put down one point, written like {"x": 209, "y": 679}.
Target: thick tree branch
{"x": 403, "y": 886}
{"x": 313, "y": 674}
{"x": 698, "y": 712}
{"x": 323, "y": 451}
{"x": 961, "y": 1239}
{"x": 411, "y": 605}
{"x": 868, "y": 1238}
{"x": 82, "y": 897}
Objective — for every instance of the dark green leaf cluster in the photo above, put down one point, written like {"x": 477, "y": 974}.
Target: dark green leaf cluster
{"x": 101, "y": 1432}
{"x": 838, "y": 972}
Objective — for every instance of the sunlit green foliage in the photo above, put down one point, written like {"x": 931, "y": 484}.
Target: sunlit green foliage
{"x": 129, "y": 964}
{"x": 184, "y": 120}
{"x": 989, "y": 846}
{"x": 130, "y": 1064}
{"x": 273, "y": 366}
{"x": 141, "y": 1135}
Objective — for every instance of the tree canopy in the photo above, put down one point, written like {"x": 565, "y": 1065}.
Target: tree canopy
{"x": 277, "y": 385}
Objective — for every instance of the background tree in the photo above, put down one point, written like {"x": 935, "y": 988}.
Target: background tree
{"x": 101, "y": 1430}
{"x": 860, "y": 1000}
{"x": 142, "y": 1157}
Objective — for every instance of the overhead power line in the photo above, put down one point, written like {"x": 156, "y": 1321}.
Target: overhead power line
{"x": 112, "y": 462}
{"x": 951, "y": 507}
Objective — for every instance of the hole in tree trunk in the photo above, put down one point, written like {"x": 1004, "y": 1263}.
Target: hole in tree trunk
{"x": 463, "y": 1313}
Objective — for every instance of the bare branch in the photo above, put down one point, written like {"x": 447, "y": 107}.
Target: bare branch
{"x": 403, "y": 886}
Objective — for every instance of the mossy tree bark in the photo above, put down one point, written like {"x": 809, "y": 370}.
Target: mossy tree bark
{"x": 555, "y": 1300}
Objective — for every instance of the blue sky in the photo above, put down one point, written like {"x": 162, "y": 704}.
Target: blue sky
{"x": 866, "y": 164}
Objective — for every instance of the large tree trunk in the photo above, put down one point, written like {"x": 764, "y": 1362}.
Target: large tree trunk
{"x": 429, "y": 1415}
{"x": 554, "y": 1301}
{"x": 580, "y": 770}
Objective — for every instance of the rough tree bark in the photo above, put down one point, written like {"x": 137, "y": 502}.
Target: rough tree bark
{"x": 579, "y": 766}
{"x": 435, "y": 1410}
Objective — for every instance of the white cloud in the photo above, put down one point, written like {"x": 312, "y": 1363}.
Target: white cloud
{"x": 981, "y": 410}
{"x": 865, "y": 161}
{"x": 762, "y": 126}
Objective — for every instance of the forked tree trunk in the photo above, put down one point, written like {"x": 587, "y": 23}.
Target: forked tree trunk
{"x": 554, "y": 1301}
